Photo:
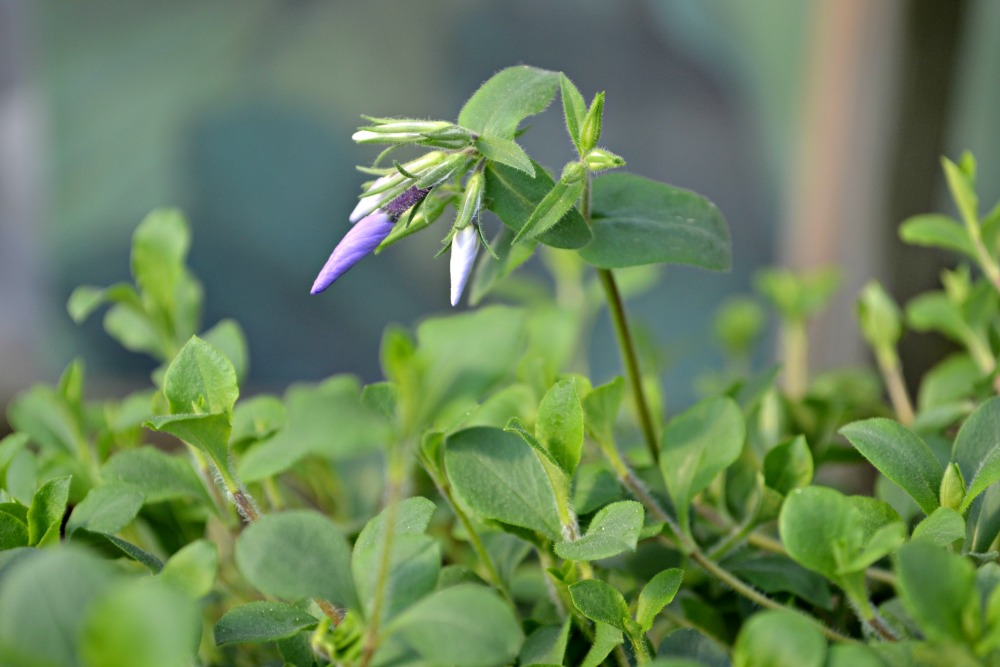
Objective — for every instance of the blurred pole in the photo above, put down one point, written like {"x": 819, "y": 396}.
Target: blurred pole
{"x": 20, "y": 196}
{"x": 844, "y": 155}
{"x": 932, "y": 44}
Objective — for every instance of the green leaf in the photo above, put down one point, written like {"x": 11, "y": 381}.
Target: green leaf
{"x": 506, "y": 152}
{"x": 192, "y": 569}
{"x": 498, "y": 475}
{"x": 594, "y": 486}
{"x": 692, "y": 644}
{"x": 261, "y": 621}
{"x": 140, "y": 622}
{"x": 657, "y": 594}
{"x": 606, "y": 638}
{"x": 200, "y": 380}
{"x": 151, "y": 562}
{"x": 13, "y": 531}
{"x": 106, "y": 509}
{"x": 414, "y": 563}
{"x": 550, "y": 210}
{"x": 820, "y": 528}
{"x": 640, "y": 221}
{"x": 941, "y": 528}
{"x": 413, "y": 515}
{"x": 228, "y": 337}
{"x": 161, "y": 476}
{"x": 788, "y": 466}
{"x": 601, "y": 408}
{"x": 779, "y": 638}
{"x": 935, "y": 230}
{"x": 41, "y": 600}
{"x": 697, "y": 445}
{"x": 852, "y": 655}
{"x": 977, "y": 450}
{"x": 257, "y": 419}
{"x": 296, "y": 555}
{"x": 963, "y": 191}
{"x": 465, "y": 625}
{"x": 460, "y": 369}
{"x": 601, "y": 602}
{"x": 514, "y": 196}
{"x": 879, "y": 317}
{"x": 613, "y": 530}
{"x": 43, "y": 414}
{"x": 546, "y": 645}
{"x": 209, "y": 433}
{"x": 574, "y": 108}
{"x": 325, "y": 419}
{"x": 497, "y": 108}
{"x": 934, "y": 311}
{"x": 939, "y": 590}
{"x": 46, "y": 512}
{"x": 559, "y": 427}
{"x": 900, "y": 455}
{"x": 776, "y": 573}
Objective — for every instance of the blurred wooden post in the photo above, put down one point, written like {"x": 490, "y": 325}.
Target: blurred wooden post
{"x": 835, "y": 214}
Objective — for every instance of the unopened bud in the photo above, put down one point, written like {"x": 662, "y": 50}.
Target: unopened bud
{"x": 471, "y": 202}
{"x": 952, "y": 487}
{"x": 464, "y": 247}
{"x": 431, "y": 177}
{"x": 573, "y": 172}
{"x": 590, "y": 133}
{"x": 452, "y": 136}
{"x": 600, "y": 159}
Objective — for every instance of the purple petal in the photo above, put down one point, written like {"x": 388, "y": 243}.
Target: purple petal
{"x": 464, "y": 246}
{"x": 360, "y": 241}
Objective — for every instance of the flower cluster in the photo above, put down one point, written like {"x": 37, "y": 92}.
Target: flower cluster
{"x": 405, "y": 188}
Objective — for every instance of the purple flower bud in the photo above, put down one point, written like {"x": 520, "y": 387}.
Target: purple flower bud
{"x": 464, "y": 246}
{"x": 361, "y": 240}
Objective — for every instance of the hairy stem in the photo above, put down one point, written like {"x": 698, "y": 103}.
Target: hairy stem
{"x": 396, "y": 476}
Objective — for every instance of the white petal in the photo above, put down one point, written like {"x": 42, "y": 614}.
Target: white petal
{"x": 464, "y": 247}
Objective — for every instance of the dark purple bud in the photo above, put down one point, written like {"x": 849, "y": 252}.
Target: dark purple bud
{"x": 400, "y": 204}
{"x": 360, "y": 241}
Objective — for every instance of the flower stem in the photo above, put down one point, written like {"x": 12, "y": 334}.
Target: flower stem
{"x": 630, "y": 359}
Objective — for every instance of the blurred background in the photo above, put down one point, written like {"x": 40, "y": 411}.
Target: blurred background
{"x": 815, "y": 126}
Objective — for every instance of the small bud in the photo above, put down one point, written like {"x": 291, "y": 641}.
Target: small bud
{"x": 879, "y": 316}
{"x": 370, "y": 137}
{"x": 464, "y": 247}
{"x": 409, "y": 126}
{"x": 431, "y": 177}
{"x": 952, "y": 487}
{"x": 573, "y": 172}
{"x": 471, "y": 202}
{"x": 590, "y": 133}
{"x": 600, "y": 159}
{"x": 452, "y": 136}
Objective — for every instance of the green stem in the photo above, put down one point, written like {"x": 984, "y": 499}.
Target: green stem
{"x": 691, "y": 548}
{"x": 477, "y": 543}
{"x": 630, "y": 359}
{"x": 396, "y": 476}
{"x": 796, "y": 343}
{"x": 626, "y": 344}
{"x": 888, "y": 364}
